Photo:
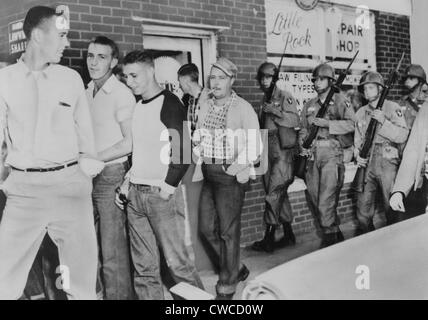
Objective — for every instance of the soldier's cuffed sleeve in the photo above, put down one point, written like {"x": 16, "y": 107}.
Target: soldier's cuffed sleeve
{"x": 304, "y": 125}
{"x": 358, "y": 134}
{"x": 347, "y": 123}
{"x": 83, "y": 123}
{"x": 394, "y": 127}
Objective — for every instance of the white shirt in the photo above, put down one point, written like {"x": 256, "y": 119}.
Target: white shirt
{"x": 45, "y": 116}
{"x": 112, "y": 104}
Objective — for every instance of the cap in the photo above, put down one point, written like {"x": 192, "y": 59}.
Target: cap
{"x": 227, "y": 66}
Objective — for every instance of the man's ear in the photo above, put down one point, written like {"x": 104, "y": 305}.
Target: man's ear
{"x": 232, "y": 81}
{"x": 113, "y": 63}
{"x": 36, "y": 35}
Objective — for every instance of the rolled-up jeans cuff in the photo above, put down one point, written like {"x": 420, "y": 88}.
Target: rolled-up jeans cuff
{"x": 225, "y": 288}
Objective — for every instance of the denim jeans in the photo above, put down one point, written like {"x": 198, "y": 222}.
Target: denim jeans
{"x": 113, "y": 242}
{"x": 155, "y": 222}
{"x": 221, "y": 203}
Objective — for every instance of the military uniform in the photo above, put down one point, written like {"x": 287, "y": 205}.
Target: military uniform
{"x": 384, "y": 159}
{"x": 280, "y": 161}
{"x": 325, "y": 169}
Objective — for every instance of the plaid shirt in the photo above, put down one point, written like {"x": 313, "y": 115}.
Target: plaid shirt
{"x": 214, "y": 138}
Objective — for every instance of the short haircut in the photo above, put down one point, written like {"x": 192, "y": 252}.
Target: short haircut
{"x": 35, "y": 17}
{"x": 262, "y": 67}
{"x": 189, "y": 69}
{"x": 139, "y": 56}
{"x": 107, "y": 42}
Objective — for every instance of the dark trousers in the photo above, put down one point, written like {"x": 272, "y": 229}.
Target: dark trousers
{"x": 221, "y": 202}
{"x": 415, "y": 203}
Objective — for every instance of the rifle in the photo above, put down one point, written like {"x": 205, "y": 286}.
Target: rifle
{"x": 301, "y": 161}
{"x": 358, "y": 182}
{"x": 271, "y": 90}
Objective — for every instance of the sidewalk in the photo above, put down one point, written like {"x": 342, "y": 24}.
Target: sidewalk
{"x": 259, "y": 262}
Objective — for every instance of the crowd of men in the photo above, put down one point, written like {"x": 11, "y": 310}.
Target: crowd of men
{"x": 114, "y": 221}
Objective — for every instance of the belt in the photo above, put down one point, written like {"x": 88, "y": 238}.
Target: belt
{"x": 217, "y": 161}
{"x": 47, "y": 169}
{"x": 146, "y": 187}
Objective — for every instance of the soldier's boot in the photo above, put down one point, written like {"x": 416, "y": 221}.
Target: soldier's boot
{"x": 267, "y": 243}
{"x": 288, "y": 238}
{"x": 329, "y": 239}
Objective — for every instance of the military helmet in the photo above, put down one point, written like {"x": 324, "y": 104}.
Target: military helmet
{"x": 415, "y": 70}
{"x": 323, "y": 70}
{"x": 372, "y": 77}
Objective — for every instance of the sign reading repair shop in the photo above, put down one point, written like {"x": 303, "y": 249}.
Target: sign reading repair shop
{"x": 17, "y": 40}
{"x": 349, "y": 30}
{"x": 296, "y": 30}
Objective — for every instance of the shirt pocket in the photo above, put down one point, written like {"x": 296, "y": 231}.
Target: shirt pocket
{"x": 390, "y": 154}
{"x": 62, "y": 115}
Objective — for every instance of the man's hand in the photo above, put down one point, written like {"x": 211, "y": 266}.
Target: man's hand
{"x": 396, "y": 202}
{"x": 379, "y": 116}
{"x": 305, "y": 152}
{"x": 321, "y": 122}
{"x": 271, "y": 108}
{"x": 91, "y": 167}
{"x": 164, "y": 195}
{"x": 362, "y": 162}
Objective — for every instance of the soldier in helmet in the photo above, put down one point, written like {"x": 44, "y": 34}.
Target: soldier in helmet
{"x": 383, "y": 162}
{"x": 415, "y": 81}
{"x": 325, "y": 170}
{"x": 279, "y": 114}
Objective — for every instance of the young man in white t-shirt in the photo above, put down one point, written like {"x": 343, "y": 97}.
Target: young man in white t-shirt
{"x": 111, "y": 105}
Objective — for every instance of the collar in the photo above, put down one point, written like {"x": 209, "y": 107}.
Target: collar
{"x": 332, "y": 101}
{"x": 27, "y": 72}
{"x": 107, "y": 87}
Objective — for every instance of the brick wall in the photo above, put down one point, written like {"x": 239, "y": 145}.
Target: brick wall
{"x": 304, "y": 222}
{"x": 244, "y": 43}
{"x": 392, "y": 38}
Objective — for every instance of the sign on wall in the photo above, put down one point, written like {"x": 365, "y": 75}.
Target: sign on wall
{"x": 296, "y": 30}
{"x": 17, "y": 40}
{"x": 329, "y": 33}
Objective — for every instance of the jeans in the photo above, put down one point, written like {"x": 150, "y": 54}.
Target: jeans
{"x": 110, "y": 223}
{"x": 155, "y": 222}
{"x": 221, "y": 202}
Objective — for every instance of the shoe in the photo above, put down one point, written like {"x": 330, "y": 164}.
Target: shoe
{"x": 224, "y": 296}
{"x": 330, "y": 239}
{"x": 284, "y": 242}
{"x": 243, "y": 273}
{"x": 288, "y": 238}
{"x": 267, "y": 243}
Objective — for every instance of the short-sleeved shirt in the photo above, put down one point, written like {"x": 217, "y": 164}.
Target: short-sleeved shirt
{"x": 113, "y": 104}
{"x": 45, "y": 115}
